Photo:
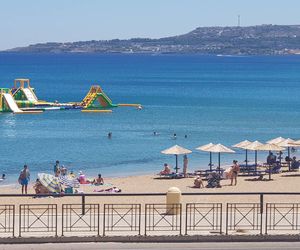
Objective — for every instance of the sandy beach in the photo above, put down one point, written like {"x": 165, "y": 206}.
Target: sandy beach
{"x": 283, "y": 182}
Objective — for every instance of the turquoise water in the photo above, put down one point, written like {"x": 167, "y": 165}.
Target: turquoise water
{"x": 207, "y": 98}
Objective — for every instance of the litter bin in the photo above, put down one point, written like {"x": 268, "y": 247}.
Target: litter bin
{"x": 173, "y": 201}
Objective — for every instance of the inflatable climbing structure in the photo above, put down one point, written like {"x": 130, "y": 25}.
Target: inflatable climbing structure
{"x": 97, "y": 99}
{"x": 23, "y": 94}
{"x": 8, "y": 103}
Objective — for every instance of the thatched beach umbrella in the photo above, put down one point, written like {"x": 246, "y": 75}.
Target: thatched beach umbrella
{"x": 242, "y": 145}
{"x": 252, "y": 146}
{"x": 219, "y": 148}
{"x": 276, "y": 140}
{"x": 269, "y": 147}
{"x": 286, "y": 143}
{"x": 206, "y": 149}
{"x": 176, "y": 150}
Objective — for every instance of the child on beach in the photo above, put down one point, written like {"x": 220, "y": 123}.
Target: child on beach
{"x": 24, "y": 179}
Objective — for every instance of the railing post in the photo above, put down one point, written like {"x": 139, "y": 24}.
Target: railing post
{"x": 104, "y": 218}
{"x": 20, "y": 211}
{"x": 83, "y": 203}
{"x": 226, "y": 229}
{"x": 186, "y": 218}
{"x": 140, "y": 215}
{"x": 145, "y": 219}
{"x": 261, "y": 197}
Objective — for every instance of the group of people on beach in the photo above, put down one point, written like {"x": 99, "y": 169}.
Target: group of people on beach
{"x": 167, "y": 168}
{"x": 213, "y": 178}
{"x": 59, "y": 171}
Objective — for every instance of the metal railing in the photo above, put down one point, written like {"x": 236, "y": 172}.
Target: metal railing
{"x": 122, "y": 217}
{"x": 282, "y": 216}
{"x": 73, "y": 220}
{"x": 190, "y": 218}
{"x": 203, "y": 217}
{"x": 38, "y": 218}
{"x": 243, "y": 216}
{"x": 163, "y": 217}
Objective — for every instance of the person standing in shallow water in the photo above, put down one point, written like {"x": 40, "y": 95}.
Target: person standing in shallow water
{"x": 24, "y": 179}
{"x": 56, "y": 168}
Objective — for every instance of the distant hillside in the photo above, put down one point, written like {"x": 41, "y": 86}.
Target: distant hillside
{"x": 252, "y": 40}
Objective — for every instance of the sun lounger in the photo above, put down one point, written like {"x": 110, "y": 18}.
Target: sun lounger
{"x": 171, "y": 176}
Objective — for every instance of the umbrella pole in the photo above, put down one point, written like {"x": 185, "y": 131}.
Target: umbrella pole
{"x": 246, "y": 158}
{"x": 219, "y": 162}
{"x": 289, "y": 158}
{"x": 210, "y": 161}
{"x": 255, "y": 160}
{"x": 176, "y": 168}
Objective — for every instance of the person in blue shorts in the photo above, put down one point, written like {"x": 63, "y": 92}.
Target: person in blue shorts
{"x": 24, "y": 179}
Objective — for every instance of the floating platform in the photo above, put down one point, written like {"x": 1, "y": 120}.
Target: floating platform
{"x": 129, "y": 105}
{"x": 96, "y": 111}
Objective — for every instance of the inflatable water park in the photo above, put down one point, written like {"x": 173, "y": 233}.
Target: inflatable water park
{"x": 22, "y": 99}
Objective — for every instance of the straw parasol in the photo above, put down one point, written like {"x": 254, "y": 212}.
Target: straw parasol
{"x": 206, "y": 149}
{"x": 50, "y": 182}
{"x": 68, "y": 181}
{"x": 252, "y": 146}
{"x": 269, "y": 147}
{"x": 242, "y": 145}
{"x": 176, "y": 150}
{"x": 286, "y": 143}
{"x": 276, "y": 140}
{"x": 219, "y": 148}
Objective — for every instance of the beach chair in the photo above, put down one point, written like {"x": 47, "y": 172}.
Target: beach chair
{"x": 275, "y": 169}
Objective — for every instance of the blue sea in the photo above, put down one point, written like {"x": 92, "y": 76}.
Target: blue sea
{"x": 208, "y": 98}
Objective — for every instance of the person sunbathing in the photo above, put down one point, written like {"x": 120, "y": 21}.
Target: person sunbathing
{"x": 39, "y": 188}
{"x": 82, "y": 179}
{"x": 167, "y": 170}
{"x": 109, "y": 190}
{"x": 98, "y": 181}
{"x": 198, "y": 183}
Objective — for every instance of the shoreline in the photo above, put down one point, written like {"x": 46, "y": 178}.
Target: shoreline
{"x": 282, "y": 182}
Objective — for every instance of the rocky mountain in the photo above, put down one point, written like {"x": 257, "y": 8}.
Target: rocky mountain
{"x": 251, "y": 40}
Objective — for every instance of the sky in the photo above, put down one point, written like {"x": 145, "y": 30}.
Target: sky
{"x": 24, "y": 22}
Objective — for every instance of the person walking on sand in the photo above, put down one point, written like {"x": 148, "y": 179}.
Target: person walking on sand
{"x": 185, "y": 165}
{"x": 235, "y": 169}
{"x": 24, "y": 179}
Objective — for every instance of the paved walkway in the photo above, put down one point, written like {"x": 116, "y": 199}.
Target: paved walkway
{"x": 164, "y": 246}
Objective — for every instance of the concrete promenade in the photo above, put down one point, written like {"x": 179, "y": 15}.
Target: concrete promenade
{"x": 164, "y": 246}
